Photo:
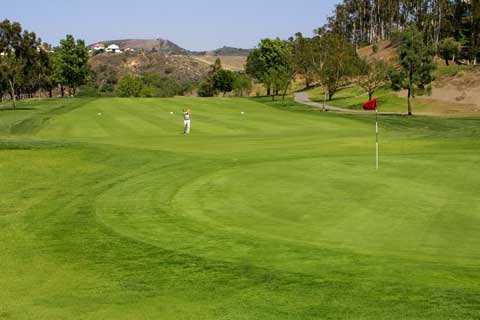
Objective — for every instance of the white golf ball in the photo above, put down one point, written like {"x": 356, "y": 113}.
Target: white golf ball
{"x": 99, "y": 113}
{"x": 243, "y": 112}
{"x": 171, "y": 112}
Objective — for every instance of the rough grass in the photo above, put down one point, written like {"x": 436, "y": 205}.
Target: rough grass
{"x": 354, "y": 97}
{"x": 274, "y": 214}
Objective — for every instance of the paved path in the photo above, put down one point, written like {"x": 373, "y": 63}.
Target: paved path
{"x": 302, "y": 97}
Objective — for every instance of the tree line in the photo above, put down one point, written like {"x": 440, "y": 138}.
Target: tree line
{"x": 222, "y": 81}
{"x": 419, "y": 29}
{"x": 28, "y": 65}
{"x": 366, "y": 22}
{"x": 331, "y": 61}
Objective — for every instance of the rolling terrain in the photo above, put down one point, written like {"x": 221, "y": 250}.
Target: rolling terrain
{"x": 267, "y": 211}
{"x": 180, "y": 67}
{"x": 162, "y": 57}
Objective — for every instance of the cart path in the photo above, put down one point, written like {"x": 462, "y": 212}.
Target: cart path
{"x": 302, "y": 97}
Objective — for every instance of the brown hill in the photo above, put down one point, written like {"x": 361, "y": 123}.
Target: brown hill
{"x": 456, "y": 89}
{"x": 180, "y": 67}
{"x": 159, "y": 45}
{"x": 225, "y": 52}
{"x": 387, "y": 51}
{"x": 234, "y": 63}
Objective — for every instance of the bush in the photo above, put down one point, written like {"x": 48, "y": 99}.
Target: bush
{"x": 107, "y": 88}
{"x": 223, "y": 81}
{"x": 449, "y": 49}
{"x": 206, "y": 89}
{"x": 148, "y": 92}
{"x": 448, "y": 71}
{"x": 87, "y": 91}
{"x": 242, "y": 85}
{"x": 424, "y": 91}
{"x": 164, "y": 86}
{"x": 129, "y": 86}
{"x": 396, "y": 79}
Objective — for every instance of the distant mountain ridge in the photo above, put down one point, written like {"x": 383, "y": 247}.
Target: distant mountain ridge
{"x": 225, "y": 51}
{"x": 159, "y": 45}
{"x": 169, "y": 47}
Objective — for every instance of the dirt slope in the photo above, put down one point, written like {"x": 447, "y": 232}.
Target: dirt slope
{"x": 234, "y": 63}
{"x": 182, "y": 68}
{"x": 457, "y": 94}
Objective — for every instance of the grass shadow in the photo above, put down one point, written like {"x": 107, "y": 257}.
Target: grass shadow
{"x": 16, "y": 109}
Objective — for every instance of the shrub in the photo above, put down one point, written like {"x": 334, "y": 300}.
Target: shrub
{"x": 242, "y": 85}
{"x": 107, "y": 88}
{"x": 449, "y": 49}
{"x": 396, "y": 79}
{"x": 164, "y": 86}
{"x": 129, "y": 86}
{"x": 87, "y": 91}
{"x": 223, "y": 81}
{"x": 206, "y": 89}
{"x": 148, "y": 92}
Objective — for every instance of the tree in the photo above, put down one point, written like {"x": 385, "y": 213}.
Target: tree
{"x": 448, "y": 49}
{"x": 475, "y": 30}
{"x": 164, "y": 86}
{"x": 206, "y": 89}
{"x": 302, "y": 57}
{"x": 242, "y": 85}
{"x": 369, "y": 21}
{"x": 47, "y": 77}
{"x": 129, "y": 86}
{"x": 217, "y": 66}
{"x": 271, "y": 64}
{"x": 12, "y": 59}
{"x": 256, "y": 67}
{"x": 416, "y": 60}
{"x": 20, "y": 65}
{"x": 3, "y": 87}
{"x": 72, "y": 68}
{"x": 373, "y": 75}
{"x": 223, "y": 81}
{"x": 335, "y": 60}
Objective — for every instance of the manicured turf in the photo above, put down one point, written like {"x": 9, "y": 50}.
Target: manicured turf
{"x": 109, "y": 212}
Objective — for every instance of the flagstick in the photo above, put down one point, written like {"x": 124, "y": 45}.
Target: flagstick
{"x": 376, "y": 137}
{"x": 325, "y": 100}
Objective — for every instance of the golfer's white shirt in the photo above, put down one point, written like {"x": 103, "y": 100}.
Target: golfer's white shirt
{"x": 186, "y": 122}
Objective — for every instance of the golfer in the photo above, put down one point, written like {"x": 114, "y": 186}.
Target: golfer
{"x": 187, "y": 121}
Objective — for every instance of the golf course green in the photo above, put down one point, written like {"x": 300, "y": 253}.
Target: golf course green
{"x": 266, "y": 211}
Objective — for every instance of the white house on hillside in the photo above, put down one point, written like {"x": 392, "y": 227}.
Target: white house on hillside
{"x": 113, "y": 48}
{"x": 99, "y": 47}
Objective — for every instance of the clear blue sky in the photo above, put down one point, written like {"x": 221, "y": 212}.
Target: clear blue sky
{"x": 194, "y": 25}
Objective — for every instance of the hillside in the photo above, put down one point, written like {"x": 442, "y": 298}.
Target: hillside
{"x": 234, "y": 63}
{"x": 456, "y": 88}
{"x": 180, "y": 67}
{"x": 160, "y": 45}
{"x": 169, "y": 47}
{"x": 387, "y": 51}
{"x": 225, "y": 51}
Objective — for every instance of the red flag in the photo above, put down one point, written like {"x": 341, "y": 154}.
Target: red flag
{"x": 370, "y": 105}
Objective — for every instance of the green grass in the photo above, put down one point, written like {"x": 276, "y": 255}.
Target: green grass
{"x": 274, "y": 214}
{"x": 354, "y": 97}
{"x": 452, "y": 70}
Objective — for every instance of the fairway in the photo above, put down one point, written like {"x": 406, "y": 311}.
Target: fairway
{"x": 266, "y": 211}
